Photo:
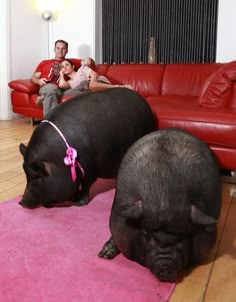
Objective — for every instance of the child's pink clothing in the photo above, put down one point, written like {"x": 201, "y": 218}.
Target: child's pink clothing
{"x": 81, "y": 75}
{"x": 81, "y": 79}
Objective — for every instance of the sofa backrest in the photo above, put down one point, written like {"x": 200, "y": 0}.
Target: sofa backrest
{"x": 178, "y": 79}
{"x": 102, "y": 68}
{"x": 146, "y": 79}
{"x": 77, "y": 62}
{"x": 186, "y": 79}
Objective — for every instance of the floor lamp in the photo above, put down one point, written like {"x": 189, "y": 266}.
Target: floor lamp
{"x": 49, "y": 10}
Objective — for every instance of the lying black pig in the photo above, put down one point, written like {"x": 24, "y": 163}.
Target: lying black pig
{"x": 99, "y": 127}
{"x": 167, "y": 202}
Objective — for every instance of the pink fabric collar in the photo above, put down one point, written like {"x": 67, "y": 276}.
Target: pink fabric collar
{"x": 71, "y": 154}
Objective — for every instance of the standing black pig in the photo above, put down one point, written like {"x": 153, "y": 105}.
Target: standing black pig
{"x": 167, "y": 202}
{"x": 100, "y": 126}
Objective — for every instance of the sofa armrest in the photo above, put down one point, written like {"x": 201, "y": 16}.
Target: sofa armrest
{"x": 24, "y": 85}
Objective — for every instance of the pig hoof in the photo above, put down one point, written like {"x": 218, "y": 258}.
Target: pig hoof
{"x": 109, "y": 250}
{"x": 81, "y": 203}
{"x": 81, "y": 200}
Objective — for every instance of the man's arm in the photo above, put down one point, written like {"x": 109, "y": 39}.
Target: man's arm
{"x": 37, "y": 80}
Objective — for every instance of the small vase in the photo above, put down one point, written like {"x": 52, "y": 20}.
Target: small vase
{"x": 152, "y": 51}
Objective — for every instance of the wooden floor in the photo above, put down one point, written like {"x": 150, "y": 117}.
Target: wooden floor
{"x": 214, "y": 280}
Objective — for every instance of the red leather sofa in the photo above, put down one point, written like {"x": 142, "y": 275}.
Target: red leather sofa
{"x": 200, "y": 98}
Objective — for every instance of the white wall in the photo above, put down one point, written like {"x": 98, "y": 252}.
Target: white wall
{"x": 29, "y": 36}
{"x": 5, "y": 108}
{"x": 226, "y": 36}
{"x": 76, "y": 25}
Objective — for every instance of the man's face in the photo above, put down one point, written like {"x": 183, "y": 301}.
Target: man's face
{"x": 60, "y": 51}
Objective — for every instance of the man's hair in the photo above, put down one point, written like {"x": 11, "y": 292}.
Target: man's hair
{"x": 61, "y": 41}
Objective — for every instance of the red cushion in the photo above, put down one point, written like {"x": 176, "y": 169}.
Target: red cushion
{"x": 216, "y": 90}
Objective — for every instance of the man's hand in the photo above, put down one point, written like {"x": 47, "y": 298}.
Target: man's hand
{"x": 42, "y": 81}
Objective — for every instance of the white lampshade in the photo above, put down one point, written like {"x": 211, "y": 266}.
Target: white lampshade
{"x": 46, "y": 5}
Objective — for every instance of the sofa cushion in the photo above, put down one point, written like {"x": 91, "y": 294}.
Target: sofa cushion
{"x": 217, "y": 89}
{"x": 186, "y": 79}
{"x": 146, "y": 79}
{"x": 33, "y": 98}
{"x": 201, "y": 121}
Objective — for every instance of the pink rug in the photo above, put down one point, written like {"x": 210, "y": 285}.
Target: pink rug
{"x": 50, "y": 255}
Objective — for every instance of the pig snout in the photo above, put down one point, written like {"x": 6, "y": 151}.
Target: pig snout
{"x": 27, "y": 204}
{"x": 165, "y": 270}
{"x": 28, "y": 200}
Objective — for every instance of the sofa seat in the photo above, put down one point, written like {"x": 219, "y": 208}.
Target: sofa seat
{"x": 185, "y": 113}
{"x": 26, "y": 105}
{"x": 198, "y": 120}
{"x": 61, "y": 99}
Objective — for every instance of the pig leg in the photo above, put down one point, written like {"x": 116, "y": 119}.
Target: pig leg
{"x": 109, "y": 250}
{"x": 81, "y": 197}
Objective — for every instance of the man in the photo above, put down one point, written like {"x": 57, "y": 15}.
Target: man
{"x": 46, "y": 75}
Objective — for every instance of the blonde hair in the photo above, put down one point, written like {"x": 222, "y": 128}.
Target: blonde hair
{"x": 88, "y": 61}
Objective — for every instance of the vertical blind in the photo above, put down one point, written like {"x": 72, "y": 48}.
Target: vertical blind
{"x": 184, "y": 30}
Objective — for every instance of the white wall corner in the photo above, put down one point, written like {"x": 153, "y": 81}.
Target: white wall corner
{"x": 5, "y": 103}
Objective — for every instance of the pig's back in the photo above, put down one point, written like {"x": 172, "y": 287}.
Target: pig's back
{"x": 168, "y": 165}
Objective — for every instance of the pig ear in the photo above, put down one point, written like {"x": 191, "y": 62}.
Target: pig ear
{"x": 198, "y": 217}
{"x": 37, "y": 169}
{"x": 133, "y": 210}
{"x": 43, "y": 167}
{"x": 22, "y": 149}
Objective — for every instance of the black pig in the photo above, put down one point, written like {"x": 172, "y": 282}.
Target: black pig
{"x": 100, "y": 126}
{"x": 167, "y": 202}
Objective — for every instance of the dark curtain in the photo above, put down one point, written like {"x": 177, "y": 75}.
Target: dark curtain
{"x": 184, "y": 30}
